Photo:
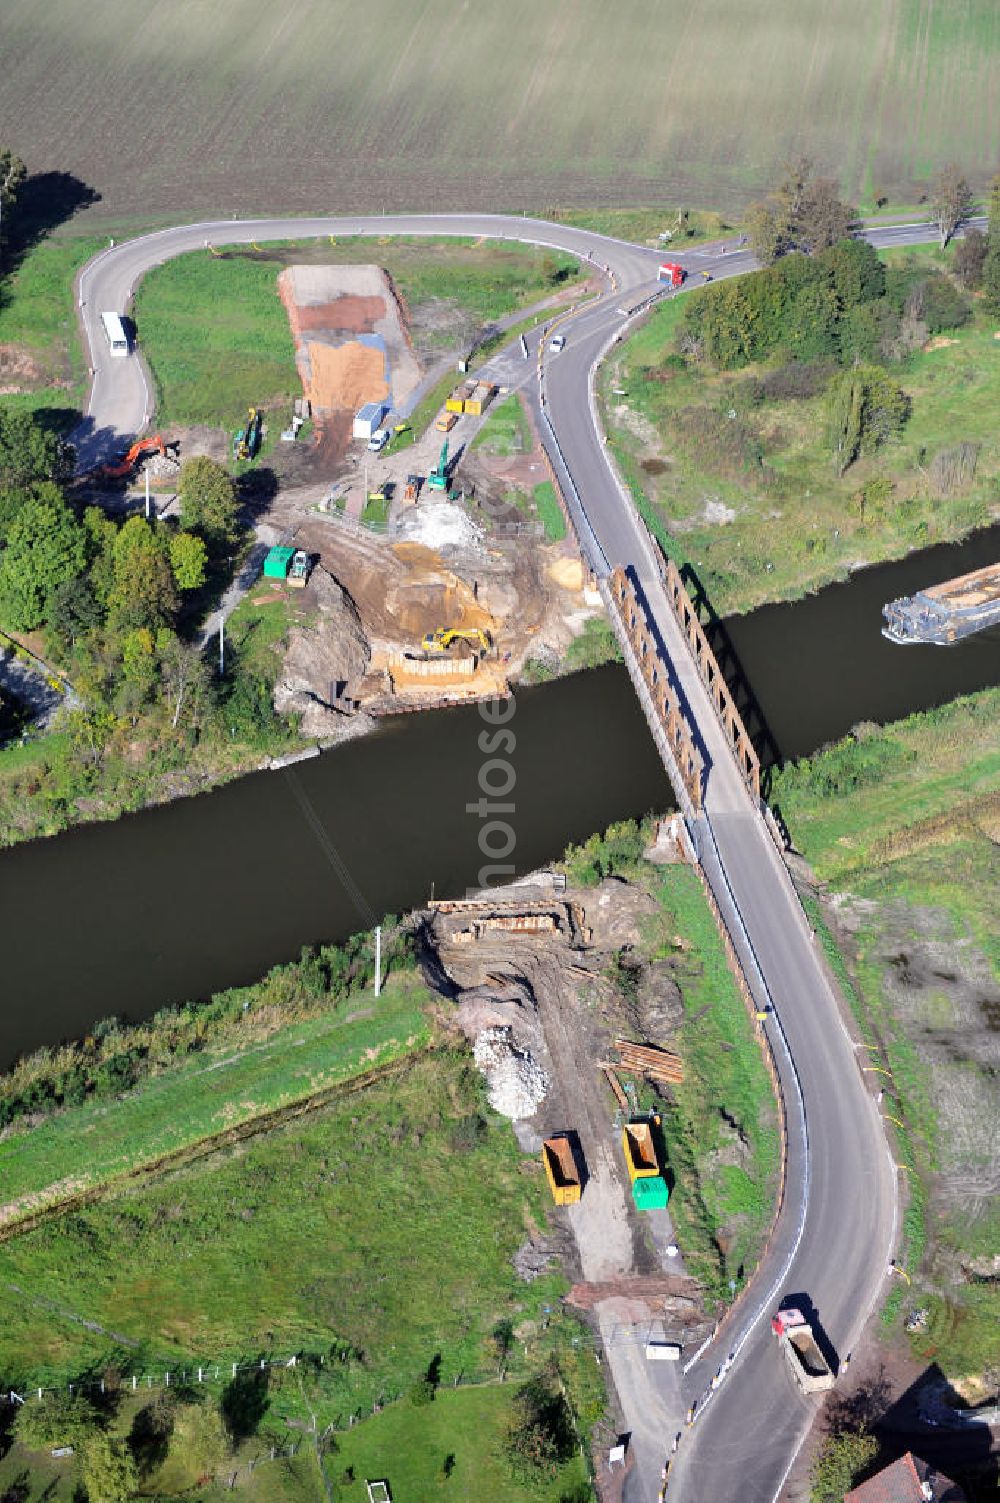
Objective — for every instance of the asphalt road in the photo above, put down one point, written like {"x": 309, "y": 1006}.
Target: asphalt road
{"x": 836, "y": 1229}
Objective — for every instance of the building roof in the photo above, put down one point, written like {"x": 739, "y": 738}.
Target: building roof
{"x": 908, "y": 1480}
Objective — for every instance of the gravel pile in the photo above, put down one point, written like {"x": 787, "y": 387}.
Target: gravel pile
{"x": 517, "y": 1083}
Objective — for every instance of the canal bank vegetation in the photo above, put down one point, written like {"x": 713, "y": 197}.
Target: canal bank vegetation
{"x": 115, "y": 1057}
{"x": 783, "y": 428}
{"x": 900, "y": 825}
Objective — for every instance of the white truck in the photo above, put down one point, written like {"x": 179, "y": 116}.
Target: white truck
{"x": 812, "y": 1371}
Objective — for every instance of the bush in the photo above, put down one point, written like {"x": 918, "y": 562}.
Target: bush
{"x": 57, "y": 1419}
{"x": 856, "y": 762}
{"x": 842, "y": 1462}
{"x": 539, "y": 1437}
{"x": 249, "y": 710}
{"x": 937, "y": 302}
{"x": 108, "y": 1470}
{"x": 954, "y": 468}
{"x": 595, "y": 645}
{"x": 616, "y": 851}
{"x": 796, "y": 380}
{"x": 865, "y": 410}
{"x": 970, "y": 258}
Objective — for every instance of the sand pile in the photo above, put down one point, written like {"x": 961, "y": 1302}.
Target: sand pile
{"x": 516, "y": 1082}
{"x": 348, "y": 376}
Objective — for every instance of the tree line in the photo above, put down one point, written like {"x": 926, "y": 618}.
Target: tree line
{"x": 824, "y": 299}
{"x": 115, "y": 602}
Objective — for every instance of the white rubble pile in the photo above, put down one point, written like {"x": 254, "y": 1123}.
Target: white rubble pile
{"x": 517, "y": 1083}
{"x": 439, "y": 524}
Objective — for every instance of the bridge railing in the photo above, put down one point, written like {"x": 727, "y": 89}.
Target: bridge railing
{"x": 667, "y": 716}
{"x": 711, "y": 674}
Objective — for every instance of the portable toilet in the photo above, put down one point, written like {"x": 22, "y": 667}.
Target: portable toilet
{"x": 278, "y": 562}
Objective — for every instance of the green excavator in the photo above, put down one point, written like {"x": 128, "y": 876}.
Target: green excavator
{"x": 437, "y": 480}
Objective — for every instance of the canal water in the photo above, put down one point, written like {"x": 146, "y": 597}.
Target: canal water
{"x": 177, "y": 902}
{"x": 208, "y": 892}
{"x": 819, "y": 666}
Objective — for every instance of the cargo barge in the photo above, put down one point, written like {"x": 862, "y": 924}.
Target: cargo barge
{"x": 945, "y": 613}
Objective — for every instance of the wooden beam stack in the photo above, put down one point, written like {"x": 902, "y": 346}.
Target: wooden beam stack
{"x": 647, "y": 1059}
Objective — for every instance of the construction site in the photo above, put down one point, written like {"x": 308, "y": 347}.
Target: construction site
{"x": 585, "y": 1066}
{"x": 408, "y": 571}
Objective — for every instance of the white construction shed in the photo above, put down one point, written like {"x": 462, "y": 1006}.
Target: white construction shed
{"x": 369, "y": 419}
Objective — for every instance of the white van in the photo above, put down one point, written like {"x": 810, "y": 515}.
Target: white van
{"x": 378, "y": 440}
{"x": 662, "y": 1351}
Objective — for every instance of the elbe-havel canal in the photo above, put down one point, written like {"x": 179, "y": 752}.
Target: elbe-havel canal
{"x": 179, "y": 901}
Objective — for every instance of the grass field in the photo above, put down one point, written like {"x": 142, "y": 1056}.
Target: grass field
{"x": 409, "y": 1447}
{"x": 200, "y": 314}
{"x": 506, "y": 429}
{"x": 92, "y": 1145}
{"x": 236, "y": 108}
{"x": 38, "y": 322}
{"x": 384, "y": 1222}
{"x": 904, "y": 820}
{"x": 755, "y": 503}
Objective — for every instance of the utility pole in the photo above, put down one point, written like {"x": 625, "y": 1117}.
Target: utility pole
{"x": 378, "y": 959}
{"x": 222, "y": 645}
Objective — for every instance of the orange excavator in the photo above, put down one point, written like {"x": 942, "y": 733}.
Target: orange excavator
{"x": 156, "y": 444}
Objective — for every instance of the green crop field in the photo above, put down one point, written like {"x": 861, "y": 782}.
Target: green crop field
{"x": 173, "y": 108}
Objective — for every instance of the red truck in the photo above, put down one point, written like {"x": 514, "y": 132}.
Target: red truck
{"x": 671, "y": 272}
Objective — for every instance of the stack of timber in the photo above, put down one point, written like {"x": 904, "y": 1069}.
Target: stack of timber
{"x": 647, "y": 1059}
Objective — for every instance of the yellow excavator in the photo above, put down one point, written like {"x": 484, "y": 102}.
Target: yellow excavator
{"x": 444, "y": 637}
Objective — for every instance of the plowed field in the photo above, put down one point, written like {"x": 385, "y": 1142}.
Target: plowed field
{"x": 169, "y": 106}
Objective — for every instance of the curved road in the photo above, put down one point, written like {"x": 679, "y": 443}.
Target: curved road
{"x": 837, "y": 1225}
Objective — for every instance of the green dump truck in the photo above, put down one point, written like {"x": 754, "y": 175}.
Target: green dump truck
{"x": 649, "y": 1188}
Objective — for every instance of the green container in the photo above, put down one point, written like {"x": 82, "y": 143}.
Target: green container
{"x": 650, "y": 1193}
{"x": 278, "y": 563}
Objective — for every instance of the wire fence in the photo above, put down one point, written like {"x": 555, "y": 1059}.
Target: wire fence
{"x": 210, "y": 1373}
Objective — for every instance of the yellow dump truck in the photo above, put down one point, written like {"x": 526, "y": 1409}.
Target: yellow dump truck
{"x": 462, "y": 394}
{"x": 480, "y": 399}
{"x": 640, "y": 1149}
{"x": 561, "y": 1170}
